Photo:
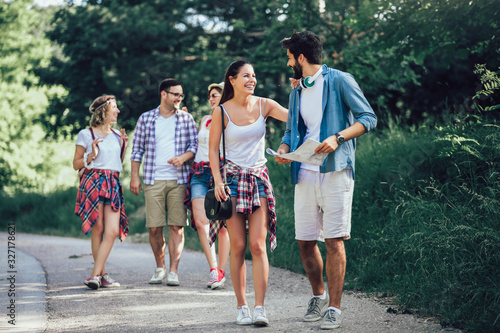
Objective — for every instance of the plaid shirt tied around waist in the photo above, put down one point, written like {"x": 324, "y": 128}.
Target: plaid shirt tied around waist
{"x": 196, "y": 170}
{"x": 97, "y": 183}
{"x": 247, "y": 198}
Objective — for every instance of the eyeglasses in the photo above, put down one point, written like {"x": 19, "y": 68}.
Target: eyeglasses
{"x": 214, "y": 96}
{"x": 177, "y": 95}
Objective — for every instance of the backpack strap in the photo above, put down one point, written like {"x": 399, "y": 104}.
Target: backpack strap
{"x": 92, "y": 133}
{"x": 122, "y": 146}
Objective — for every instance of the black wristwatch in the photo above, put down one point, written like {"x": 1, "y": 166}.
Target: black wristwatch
{"x": 340, "y": 138}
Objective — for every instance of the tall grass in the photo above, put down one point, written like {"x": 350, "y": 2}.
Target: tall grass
{"x": 425, "y": 225}
{"x": 426, "y": 222}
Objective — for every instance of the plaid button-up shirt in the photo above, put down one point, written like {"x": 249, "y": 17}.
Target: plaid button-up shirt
{"x": 186, "y": 139}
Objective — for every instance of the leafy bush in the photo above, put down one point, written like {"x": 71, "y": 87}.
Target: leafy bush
{"x": 425, "y": 222}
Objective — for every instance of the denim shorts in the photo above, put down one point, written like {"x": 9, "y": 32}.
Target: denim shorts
{"x": 200, "y": 184}
{"x": 104, "y": 200}
{"x": 232, "y": 183}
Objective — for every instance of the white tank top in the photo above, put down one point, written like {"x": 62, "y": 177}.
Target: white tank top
{"x": 203, "y": 135}
{"x": 245, "y": 145}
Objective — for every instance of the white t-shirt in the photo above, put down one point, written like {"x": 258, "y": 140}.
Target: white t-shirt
{"x": 108, "y": 157}
{"x": 203, "y": 136}
{"x": 165, "y": 148}
{"x": 311, "y": 101}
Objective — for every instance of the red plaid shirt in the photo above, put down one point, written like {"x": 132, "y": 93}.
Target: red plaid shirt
{"x": 97, "y": 183}
{"x": 247, "y": 198}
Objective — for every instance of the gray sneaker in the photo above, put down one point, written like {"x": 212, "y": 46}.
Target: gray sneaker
{"x": 332, "y": 320}
{"x": 316, "y": 308}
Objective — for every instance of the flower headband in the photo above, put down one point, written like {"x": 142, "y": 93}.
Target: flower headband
{"x": 104, "y": 104}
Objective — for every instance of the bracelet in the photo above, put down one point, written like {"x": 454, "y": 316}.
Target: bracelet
{"x": 87, "y": 166}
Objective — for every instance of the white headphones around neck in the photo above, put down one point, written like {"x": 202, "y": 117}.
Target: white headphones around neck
{"x": 308, "y": 82}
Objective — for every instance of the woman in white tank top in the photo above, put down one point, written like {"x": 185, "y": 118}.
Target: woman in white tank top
{"x": 250, "y": 188}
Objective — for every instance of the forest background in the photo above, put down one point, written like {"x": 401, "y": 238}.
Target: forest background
{"x": 426, "y": 210}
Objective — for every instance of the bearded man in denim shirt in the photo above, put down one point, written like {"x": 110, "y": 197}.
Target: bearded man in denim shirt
{"x": 327, "y": 106}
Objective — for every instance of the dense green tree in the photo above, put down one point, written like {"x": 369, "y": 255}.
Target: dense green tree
{"x": 127, "y": 47}
{"x": 414, "y": 59}
{"x": 440, "y": 41}
{"x": 25, "y": 156}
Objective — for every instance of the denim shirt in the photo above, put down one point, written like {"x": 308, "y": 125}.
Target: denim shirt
{"x": 343, "y": 104}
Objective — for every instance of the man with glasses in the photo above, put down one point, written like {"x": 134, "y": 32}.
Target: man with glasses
{"x": 167, "y": 137}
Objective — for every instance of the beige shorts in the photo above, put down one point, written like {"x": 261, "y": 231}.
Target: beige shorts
{"x": 323, "y": 204}
{"x": 163, "y": 196}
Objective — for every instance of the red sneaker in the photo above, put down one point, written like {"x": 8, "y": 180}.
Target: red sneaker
{"x": 108, "y": 282}
{"x": 93, "y": 282}
{"x": 221, "y": 279}
{"x": 214, "y": 276}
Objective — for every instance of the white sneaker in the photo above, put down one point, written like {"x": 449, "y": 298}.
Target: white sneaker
{"x": 173, "y": 279}
{"x": 259, "y": 316}
{"x": 158, "y": 276}
{"x": 244, "y": 316}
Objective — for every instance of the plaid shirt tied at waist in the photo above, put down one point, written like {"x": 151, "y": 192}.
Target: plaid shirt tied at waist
{"x": 196, "y": 170}
{"x": 247, "y": 198}
{"x": 97, "y": 183}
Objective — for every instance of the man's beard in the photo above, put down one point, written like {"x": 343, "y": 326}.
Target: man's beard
{"x": 297, "y": 71}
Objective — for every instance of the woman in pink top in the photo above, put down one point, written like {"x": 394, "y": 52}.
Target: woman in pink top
{"x": 248, "y": 182}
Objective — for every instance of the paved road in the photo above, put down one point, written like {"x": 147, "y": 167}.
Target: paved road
{"x": 50, "y": 295}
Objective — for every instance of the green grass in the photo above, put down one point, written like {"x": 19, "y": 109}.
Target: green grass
{"x": 53, "y": 213}
{"x": 425, "y": 225}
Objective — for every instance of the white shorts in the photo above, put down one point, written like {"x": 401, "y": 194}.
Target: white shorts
{"x": 323, "y": 205}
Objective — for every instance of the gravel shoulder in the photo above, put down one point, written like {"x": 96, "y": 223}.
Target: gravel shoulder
{"x": 51, "y": 297}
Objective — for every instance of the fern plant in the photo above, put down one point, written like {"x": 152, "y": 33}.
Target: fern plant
{"x": 491, "y": 85}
